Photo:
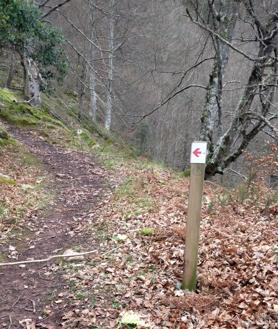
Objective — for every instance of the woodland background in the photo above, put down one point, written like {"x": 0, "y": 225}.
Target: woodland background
{"x": 126, "y": 57}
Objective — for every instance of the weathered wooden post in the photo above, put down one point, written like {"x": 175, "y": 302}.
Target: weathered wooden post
{"x": 197, "y": 173}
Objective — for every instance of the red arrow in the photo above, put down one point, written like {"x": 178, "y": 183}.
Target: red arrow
{"x": 197, "y": 152}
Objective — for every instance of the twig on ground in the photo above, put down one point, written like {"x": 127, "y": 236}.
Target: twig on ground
{"x": 17, "y": 300}
{"x": 11, "y": 322}
{"x": 34, "y": 261}
{"x": 33, "y": 304}
{"x": 237, "y": 173}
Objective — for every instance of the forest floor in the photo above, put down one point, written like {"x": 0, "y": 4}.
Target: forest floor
{"x": 132, "y": 214}
{"x": 75, "y": 183}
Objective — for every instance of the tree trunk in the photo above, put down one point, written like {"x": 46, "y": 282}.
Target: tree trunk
{"x": 93, "y": 96}
{"x": 8, "y": 83}
{"x": 81, "y": 91}
{"x": 241, "y": 131}
{"x": 211, "y": 126}
{"x": 262, "y": 82}
{"x": 108, "y": 116}
{"x": 81, "y": 86}
{"x": 32, "y": 80}
{"x": 92, "y": 73}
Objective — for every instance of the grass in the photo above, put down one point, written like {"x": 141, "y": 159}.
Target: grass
{"x": 5, "y": 138}
{"x": 126, "y": 189}
{"x": 28, "y": 159}
{"x": 7, "y": 96}
{"x": 23, "y": 114}
{"x": 147, "y": 231}
{"x": 19, "y": 197}
{"x": 137, "y": 199}
{"x": 4, "y": 179}
{"x": 3, "y": 210}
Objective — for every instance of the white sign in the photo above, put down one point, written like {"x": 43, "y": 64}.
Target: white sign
{"x": 198, "y": 152}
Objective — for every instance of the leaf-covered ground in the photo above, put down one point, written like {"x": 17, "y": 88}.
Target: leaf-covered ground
{"x": 136, "y": 228}
{"x": 137, "y": 273}
{"x": 22, "y": 189}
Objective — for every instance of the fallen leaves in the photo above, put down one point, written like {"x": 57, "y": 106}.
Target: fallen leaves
{"x": 23, "y": 194}
{"x": 135, "y": 277}
{"x": 236, "y": 273}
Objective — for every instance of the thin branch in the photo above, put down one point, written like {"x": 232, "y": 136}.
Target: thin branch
{"x": 168, "y": 99}
{"x": 269, "y": 134}
{"x": 264, "y": 119}
{"x": 237, "y": 173}
{"x": 44, "y": 260}
{"x": 206, "y": 28}
{"x": 85, "y": 60}
{"x": 82, "y": 33}
{"x": 55, "y": 8}
{"x": 44, "y": 3}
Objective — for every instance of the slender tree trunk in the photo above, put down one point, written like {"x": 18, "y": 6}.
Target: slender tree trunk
{"x": 8, "y": 83}
{"x": 81, "y": 91}
{"x": 92, "y": 73}
{"x": 108, "y": 116}
{"x": 93, "y": 96}
{"x": 211, "y": 125}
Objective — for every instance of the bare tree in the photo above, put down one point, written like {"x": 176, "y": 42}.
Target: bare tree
{"x": 253, "y": 111}
{"x": 92, "y": 70}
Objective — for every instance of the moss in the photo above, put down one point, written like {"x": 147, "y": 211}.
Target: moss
{"x": 3, "y": 142}
{"x": 3, "y": 209}
{"x": 126, "y": 189}
{"x": 4, "y": 179}
{"x": 93, "y": 127}
{"x": 3, "y": 133}
{"x": 25, "y": 115}
{"x": 146, "y": 231}
{"x": 186, "y": 172}
{"x": 4, "y": 137}
{"x": 7, "y": 96}
{"x": 17, "y": 113}
{"x": 28, "y": 159}
{"x": 85, "y": 137}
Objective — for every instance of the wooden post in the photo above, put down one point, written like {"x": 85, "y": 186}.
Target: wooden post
{"x": 197, "y": 173}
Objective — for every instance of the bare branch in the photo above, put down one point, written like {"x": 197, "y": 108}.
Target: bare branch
{"x": 237, "y": 173}
{"x": 167, "y": 100}
{"x": 44, "y": 3}
{"x": 263, "y": 119}
{"x": 206, "y": 28}
{"x": 82, "y": 33}
{"x": 55, "y": 8}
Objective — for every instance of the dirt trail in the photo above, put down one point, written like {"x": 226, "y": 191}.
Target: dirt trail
{"x": 77, "y": 183}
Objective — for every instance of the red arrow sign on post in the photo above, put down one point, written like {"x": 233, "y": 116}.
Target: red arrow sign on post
{"x": 197, "y": 152}
{"x": 197, "y": 171}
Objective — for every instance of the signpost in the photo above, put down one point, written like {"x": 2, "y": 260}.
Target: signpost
{"x": 197, "y": 173}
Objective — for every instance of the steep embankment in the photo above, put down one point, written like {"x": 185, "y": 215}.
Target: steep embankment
{"x": 132, "y": 216}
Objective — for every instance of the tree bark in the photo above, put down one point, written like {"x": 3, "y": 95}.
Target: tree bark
{"x": 92, "y": 73}
{"x": 108, "y": 116}
{"x": 9, "y": 80}
{"x": 32, "y": 80}
{"x": 211, "y": 126}
{"x": 81, "y": 91}
{"x": 262, "y": 82}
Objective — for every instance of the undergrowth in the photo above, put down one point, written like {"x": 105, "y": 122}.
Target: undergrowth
{"x": 22, "y": 185}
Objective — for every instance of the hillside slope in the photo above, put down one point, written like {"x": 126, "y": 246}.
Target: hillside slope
{"x": 65, "y": 190}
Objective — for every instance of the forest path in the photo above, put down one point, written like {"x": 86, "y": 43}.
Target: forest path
{"x": 76, "y": 182}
